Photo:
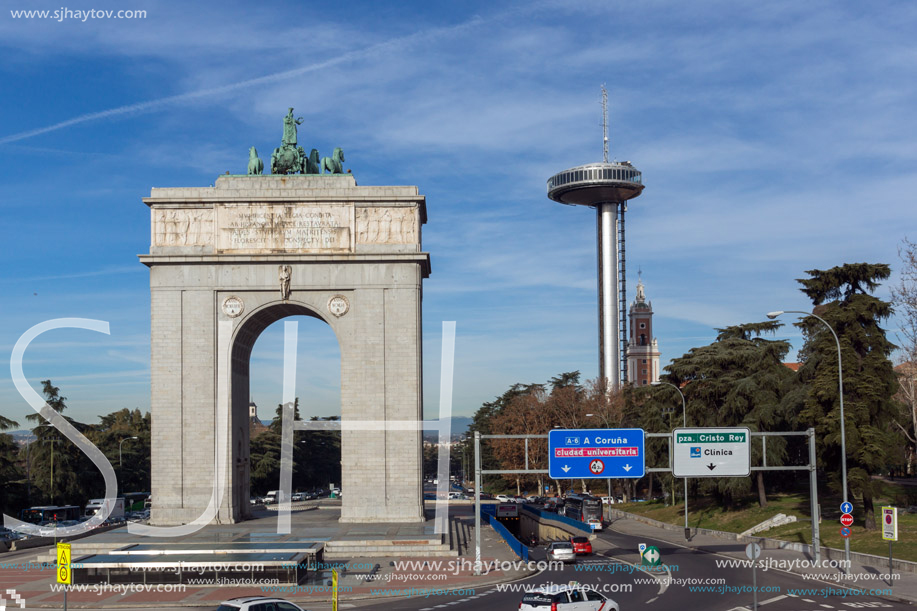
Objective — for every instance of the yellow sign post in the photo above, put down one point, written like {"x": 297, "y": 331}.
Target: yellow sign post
{"x": 64, "y": 574}
{"x": 63, "y": 564}
{"x": 334, "y": 590}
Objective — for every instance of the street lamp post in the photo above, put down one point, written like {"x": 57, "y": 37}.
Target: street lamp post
{"x": 119, "y": 449}
{"x": 840, "y": 387}
{"x": 52, "y": 441}
{"x": 684, "y": 413}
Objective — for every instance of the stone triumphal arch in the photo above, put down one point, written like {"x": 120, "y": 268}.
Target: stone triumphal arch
{"x": 227, "y": 261}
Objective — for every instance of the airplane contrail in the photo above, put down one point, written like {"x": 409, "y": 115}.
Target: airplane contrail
{"x": 270, "y": 78}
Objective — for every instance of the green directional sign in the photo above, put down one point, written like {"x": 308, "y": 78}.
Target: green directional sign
{"x": 739, "y": 436}
{"x": 651, "y": 556}
{"x": 711, "y": 452}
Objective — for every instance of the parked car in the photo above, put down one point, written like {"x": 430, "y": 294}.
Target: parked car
{"x": 608, "y": 500}
{"x": 257, "y": 603}
{"x": 581, "y": 545}
{"x": 503, "y": 498}
{"x": 561, "y": 551}
{"x": 573, "y": 597}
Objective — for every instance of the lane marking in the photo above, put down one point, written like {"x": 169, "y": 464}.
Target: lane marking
{"x": 703, "y": 551}
{"x": 772, "y": 600}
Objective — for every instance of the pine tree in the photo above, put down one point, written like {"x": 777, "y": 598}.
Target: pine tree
{"x": 842, "y": 296}
{"x": 738, "y": 380}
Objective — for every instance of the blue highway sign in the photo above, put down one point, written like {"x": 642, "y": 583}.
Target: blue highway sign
{"x": 596, "y": 453}
{"x": 846, "y": 507}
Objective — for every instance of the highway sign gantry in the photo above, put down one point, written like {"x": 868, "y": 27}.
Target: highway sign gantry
{"x": 596, "y": 453}
{"x": 711, "y": 452}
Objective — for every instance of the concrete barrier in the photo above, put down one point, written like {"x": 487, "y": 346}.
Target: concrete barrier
{"x": 550, "y": 526}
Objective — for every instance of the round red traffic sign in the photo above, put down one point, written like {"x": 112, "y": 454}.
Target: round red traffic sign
{"x": 845, "y": 532}
{"x": 596, "y": 466}
{"x": 847, "y": 519}
{"x": 888, "y": 518}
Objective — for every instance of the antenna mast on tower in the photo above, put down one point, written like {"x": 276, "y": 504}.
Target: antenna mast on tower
{"x": 605, "y": 122}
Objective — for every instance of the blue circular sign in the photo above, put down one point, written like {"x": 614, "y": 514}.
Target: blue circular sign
{"x": 846, "y": 507}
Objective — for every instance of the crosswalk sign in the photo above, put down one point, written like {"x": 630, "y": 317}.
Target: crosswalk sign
{"x": 64, "y": 574}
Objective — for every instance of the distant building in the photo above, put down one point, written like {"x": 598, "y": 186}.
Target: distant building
{"x": 255, "y": 426}
{"x": 642, "y": 348}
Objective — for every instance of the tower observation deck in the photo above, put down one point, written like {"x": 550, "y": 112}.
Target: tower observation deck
{"x": 605, "y": 186}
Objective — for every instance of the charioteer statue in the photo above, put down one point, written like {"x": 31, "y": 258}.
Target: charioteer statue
{"x": 289, "y": 158}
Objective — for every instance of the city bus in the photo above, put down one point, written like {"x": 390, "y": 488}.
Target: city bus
{"x": 586, "y": 509}
{"x": 50, "y": 513}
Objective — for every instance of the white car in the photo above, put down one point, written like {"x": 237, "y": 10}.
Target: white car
{"x": 573, "y": 597}
{"x": 257, "y": 603}
{"x": 504, "y": 498}
{"x": 561, "y": 551}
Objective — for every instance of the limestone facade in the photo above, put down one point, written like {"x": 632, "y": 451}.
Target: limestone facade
{"x": 219, "y": 259}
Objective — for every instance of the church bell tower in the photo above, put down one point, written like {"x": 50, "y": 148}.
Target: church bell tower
{"x": 642, "y": 348}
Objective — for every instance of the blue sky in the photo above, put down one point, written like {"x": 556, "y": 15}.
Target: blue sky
{"x": 773, "y": 138}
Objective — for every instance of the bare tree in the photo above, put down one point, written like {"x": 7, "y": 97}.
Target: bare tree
{"x": 904, "y": 298}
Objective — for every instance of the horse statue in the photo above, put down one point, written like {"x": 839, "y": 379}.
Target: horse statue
{"x": 333, "y": 163}
{"x": 255, "y": 165}
{"x": 312, "y": 163}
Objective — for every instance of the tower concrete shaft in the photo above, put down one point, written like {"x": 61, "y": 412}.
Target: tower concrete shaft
{"x": 609, "y": 341}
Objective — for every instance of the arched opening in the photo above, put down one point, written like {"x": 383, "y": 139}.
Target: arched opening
{"x": 257, "y": 382}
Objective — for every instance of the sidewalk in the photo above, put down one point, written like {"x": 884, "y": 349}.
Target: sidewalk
{"x": 904, "y": 588}
{"x": 358, "y": 578}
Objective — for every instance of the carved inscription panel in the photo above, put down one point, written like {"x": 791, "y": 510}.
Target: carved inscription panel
{"x": 258, "y": 228}
{"x": 386, "y": 225}
{"x": 185, "y": 227}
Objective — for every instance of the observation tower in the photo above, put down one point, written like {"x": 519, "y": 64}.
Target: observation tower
{"x": 605, "y": 186}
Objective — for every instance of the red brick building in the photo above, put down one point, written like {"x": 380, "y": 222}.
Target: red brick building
{"x": 642, "y": 348}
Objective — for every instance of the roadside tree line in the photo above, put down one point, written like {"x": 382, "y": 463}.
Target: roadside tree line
{"x": 50, "y": 470}
{"x": 741, "y": 379}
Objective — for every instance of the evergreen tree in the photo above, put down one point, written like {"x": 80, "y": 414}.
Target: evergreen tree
{"x": 316, "y": 455}
{"x": 133, "y": 465}
{"x": 738, "y": 380}
{"x": 842, "y": 296}
{"x": 58, "y": 467}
